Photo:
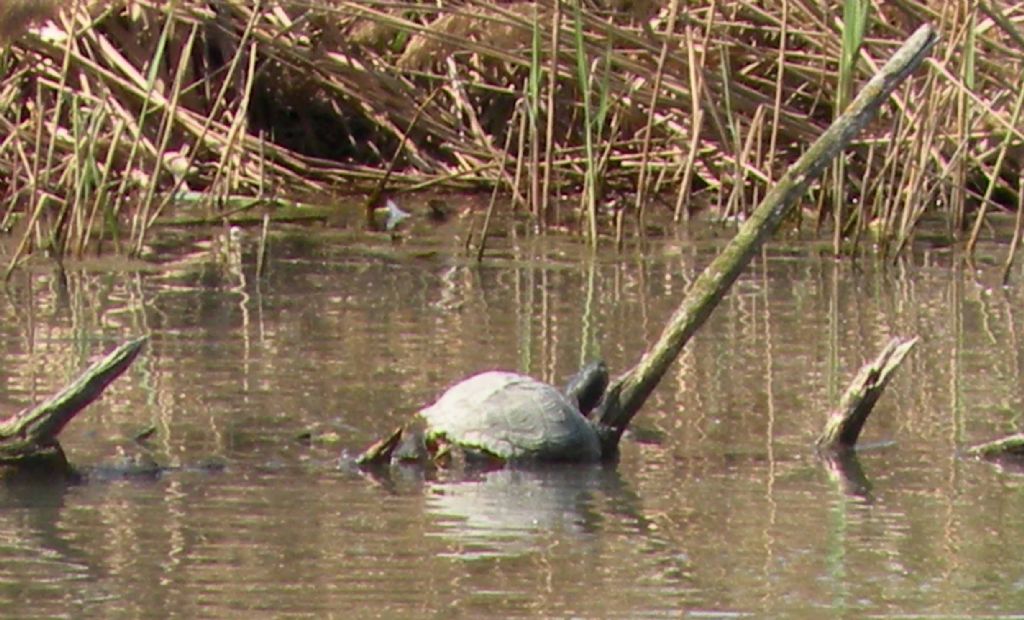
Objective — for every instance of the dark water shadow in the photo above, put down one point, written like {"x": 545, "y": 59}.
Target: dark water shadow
{"x": 31, "y": 511}
{"x": 1008, "y": 463}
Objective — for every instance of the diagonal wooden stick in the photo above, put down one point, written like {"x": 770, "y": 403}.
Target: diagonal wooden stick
{"x": 629, "y": 392}
{"x": 36, "y": 428}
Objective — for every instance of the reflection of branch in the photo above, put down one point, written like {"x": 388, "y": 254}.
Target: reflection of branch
{"x": 847, "y": 420}
{"x": 844, "y": 468}
{"x": 32, "y": 433}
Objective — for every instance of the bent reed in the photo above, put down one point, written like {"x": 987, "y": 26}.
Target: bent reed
{"x": 591, "y": 113}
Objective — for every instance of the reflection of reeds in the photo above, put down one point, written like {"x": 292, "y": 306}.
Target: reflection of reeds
{"x": 702, "y": 105}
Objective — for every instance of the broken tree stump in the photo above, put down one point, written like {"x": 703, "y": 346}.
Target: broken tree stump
{"x": 847, "y": 420}
{"x": 28, "y": 439}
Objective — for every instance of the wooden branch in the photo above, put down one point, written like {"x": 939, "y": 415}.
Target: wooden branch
{"x": 31, "y": 434}
{"x": 1012, "y": 446}
{"x": 847, "y": 420}
{"x": 629, "y": 392}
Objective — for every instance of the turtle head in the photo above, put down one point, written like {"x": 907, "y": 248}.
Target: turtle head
{"x": 586, "y": 388}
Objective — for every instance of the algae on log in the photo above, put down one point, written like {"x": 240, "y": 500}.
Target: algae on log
{"x": 847, "y": 420}
{"x": 1010, "y": 446}
{"x": 629, "y": 392}
{"x": 28, "y": 439}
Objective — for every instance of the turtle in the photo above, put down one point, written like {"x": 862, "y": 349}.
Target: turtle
{"x": 497, "y": 417}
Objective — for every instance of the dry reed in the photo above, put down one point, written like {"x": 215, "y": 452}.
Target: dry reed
{"x": 113, "y": 108}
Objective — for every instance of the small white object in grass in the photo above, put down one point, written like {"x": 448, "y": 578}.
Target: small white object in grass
{"x": 395, "y": 216}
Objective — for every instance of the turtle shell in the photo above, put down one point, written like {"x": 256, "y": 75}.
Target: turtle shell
{"x": 512, "y": 417}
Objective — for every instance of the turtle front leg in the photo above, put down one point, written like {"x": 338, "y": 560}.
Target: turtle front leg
{"x": 380, "y": 452}
{"x": 406, "y": 444}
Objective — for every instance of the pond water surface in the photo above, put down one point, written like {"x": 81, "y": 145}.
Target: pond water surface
{"x": 717, "y": 507}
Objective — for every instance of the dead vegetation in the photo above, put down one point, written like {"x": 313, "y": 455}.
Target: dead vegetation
{"x": 599, "y": 111}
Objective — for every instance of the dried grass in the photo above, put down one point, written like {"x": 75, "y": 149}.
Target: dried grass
{"x": 699, "y": 104}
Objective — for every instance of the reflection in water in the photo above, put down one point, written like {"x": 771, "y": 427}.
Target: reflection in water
{"x": 36, "y": 551}
{"x": 728, "y": 512}
{"x": 504, "y": 512}
{"x": 845, "y": 470}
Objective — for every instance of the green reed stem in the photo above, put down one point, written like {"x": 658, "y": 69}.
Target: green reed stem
{"x": 533, "y": 109}
{"x": 855, "y": 14}
{"x": 583, "y": 77}
{"x": 155, "y": 64}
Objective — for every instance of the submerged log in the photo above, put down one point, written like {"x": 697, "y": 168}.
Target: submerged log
{"x": 847, "y": 420}
{"x": 28, "y": 439}
{"x": 627, "y": 394}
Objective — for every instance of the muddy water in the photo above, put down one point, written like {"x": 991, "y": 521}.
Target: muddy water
{"x": 718, "y": 505}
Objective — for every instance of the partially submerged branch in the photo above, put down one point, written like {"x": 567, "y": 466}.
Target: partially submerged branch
{"x": 1012, "y": 446}
{"x": 847, "y": 420}
{"x": 32, "y": 433}
{"x": 629, "y": 392}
